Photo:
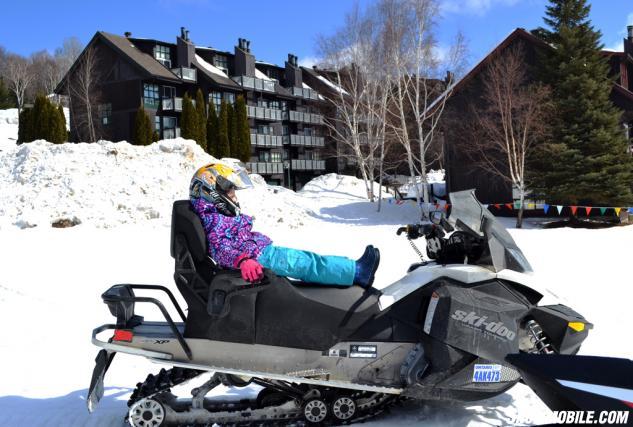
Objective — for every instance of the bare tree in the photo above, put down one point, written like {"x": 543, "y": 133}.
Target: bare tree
{"x": 19, "y": 74}
{"x": 509, "y": 123}
{"x": 418, "y": 95}
{"x": 66, "y": 55}
{"x": 83, "y": 87}
{"x": 46, "y": 73}
{"x": 359, "y": 82}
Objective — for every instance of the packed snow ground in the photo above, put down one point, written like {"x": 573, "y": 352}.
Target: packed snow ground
{"x": 51, "y": 279}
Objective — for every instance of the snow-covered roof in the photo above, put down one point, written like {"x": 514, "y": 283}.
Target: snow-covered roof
{"x": 332, "y": 85}
{"x": 305, "y": 86}
{"x": 262, "y": 76}
{"x": 209, "y": 67}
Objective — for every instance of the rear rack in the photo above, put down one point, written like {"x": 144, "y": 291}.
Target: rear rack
{"x": 121, "y": 299}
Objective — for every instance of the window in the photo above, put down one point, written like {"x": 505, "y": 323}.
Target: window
{"x": 264, "y": 156}
{"x": 307, "y": 131}
{"x": 274, "y": 104}
{"x": 285, "y": 130}
{"x": 150, "y": 91}
{"x": 313, "y": 155}
{"x": 286, "y": 155}
{"x": 229, "y": 97}
{"x": 262, "y": 103}
{"x": 162, "y": 55}
{"x": 265, "y": 130}
{"x": 284, "y": 105}
{"x": 169, "y": 92}
{"x": 275, "y": 157}
{"x": 169, "y": 123}
{"x": 216, "y": 98}
{"x": 157, "y": 123}
{"x": 221, "y": 62}
{"x": 151, "y": 95}
{"x": 105, "y": 113}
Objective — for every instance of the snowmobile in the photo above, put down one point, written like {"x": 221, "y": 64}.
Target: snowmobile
{"x": 333, "y": 355}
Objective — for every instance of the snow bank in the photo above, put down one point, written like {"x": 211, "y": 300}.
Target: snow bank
{"x": 104, "y": 183}
{"x": 8, "y": 128}
{"x": 107, "y": 184}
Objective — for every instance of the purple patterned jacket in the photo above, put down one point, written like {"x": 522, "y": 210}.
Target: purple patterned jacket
{"x": 230, "y": 238}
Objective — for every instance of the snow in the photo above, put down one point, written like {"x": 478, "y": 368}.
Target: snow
{"x": 9, "y": 127}
{"x": 51, "y": 279}
{"x": 332, "y": 85}
{"x": 209, "y": 67}
{"x": 262, "y": 76}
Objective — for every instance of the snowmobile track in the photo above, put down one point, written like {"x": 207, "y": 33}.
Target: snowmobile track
{"x": 373, "y": 404}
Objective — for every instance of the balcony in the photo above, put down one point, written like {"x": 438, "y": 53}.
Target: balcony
{"x": 172, "y": 104}
{"x": 171, "y": 133}
{"x": 261, "y": 140}
{"x": 255, "y": 83}
{"x": 308, "y": 164}
{"x": 305, "y": 141}
{"x": 264, "y": 113}
{"x": 298, "y": 116}
{"x": 265, "y": 168}
{"x": 305, "y": 93}
{"x": 185, "y": 73}
{"x": 151, "y": 103}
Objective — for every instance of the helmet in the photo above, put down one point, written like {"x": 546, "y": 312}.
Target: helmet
{"x": 212, "y": 182}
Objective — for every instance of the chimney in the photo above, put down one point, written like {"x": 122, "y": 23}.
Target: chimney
{"x": 185, "y": 50}
{"x": 630, "y": 32}
{"x": 244, "y": 59}
{"x": 293, "y": 72}
{"x": 628, "y": 42}
{"x": 127, "y": 34}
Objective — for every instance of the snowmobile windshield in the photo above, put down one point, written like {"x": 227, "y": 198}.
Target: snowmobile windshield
{"x": 467, "y": 214}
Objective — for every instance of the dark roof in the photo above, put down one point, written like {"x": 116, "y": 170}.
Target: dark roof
{"x": 142, "y": 60}
{"x": 216, "y": 78}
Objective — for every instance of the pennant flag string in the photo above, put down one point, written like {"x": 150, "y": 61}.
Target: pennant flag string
{"x": 545, "y": 207}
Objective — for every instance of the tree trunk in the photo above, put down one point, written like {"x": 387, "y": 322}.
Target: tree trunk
{"x": 520, "y": 214}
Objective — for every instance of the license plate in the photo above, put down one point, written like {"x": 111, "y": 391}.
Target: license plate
{"x": 95, "y": 392}
{"x": 488, "y": 373}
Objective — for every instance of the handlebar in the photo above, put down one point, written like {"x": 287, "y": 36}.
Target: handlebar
{"x": 414, "y": 231}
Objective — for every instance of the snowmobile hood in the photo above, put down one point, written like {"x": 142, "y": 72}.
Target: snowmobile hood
{"x": 468, "y": 215}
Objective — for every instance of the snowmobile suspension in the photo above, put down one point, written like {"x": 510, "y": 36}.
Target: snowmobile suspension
{"x": 537, "y": 336}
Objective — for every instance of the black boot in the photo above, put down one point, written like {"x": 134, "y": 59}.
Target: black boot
{"x": 366, "y": 267}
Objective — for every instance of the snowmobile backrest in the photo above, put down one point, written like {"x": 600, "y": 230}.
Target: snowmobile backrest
{"x": 185, "y": 222}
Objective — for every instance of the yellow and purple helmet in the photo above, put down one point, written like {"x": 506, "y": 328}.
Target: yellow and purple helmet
{"x": 212, "y": 182}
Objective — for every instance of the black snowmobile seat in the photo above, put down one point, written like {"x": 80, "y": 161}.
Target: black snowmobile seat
{"x": 185, "y": 221}
{"x": 224, "y": 307}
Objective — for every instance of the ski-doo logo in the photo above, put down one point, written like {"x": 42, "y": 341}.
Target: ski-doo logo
{"x": 479, "y": 322}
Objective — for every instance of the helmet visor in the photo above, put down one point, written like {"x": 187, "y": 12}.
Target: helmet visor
{"x": 238, "y": 179}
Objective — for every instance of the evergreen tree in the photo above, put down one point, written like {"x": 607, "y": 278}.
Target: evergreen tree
{"x": 243, "y": 131}
{"x": 24, "y": 126}
{"x": 188, "y": 119}
{"x": 233, "y": 141}
{"x": 6, "y": 98}
{"x": 42, "y": 121}
{"x": 142, "y": 133}
{"x": 63, "y": 133}
{"x": 40, "y": 118}
{"x": 56, "y": 125}
{"x": 201, "y": 114}
{"x": 212, "y": 131}
{"x": 223, "y": 149}
{"x": 586, "y": 160}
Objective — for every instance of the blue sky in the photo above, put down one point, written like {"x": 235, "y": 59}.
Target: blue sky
{"x": 275, "y": 27}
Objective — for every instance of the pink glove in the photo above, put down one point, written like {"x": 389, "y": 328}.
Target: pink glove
{"x": 252, "y": 271}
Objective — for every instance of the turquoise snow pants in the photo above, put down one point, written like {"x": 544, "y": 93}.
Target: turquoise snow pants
{"x": 308, "y": 266}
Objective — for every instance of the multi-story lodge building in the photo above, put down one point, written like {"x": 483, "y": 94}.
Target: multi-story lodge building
{"x": 287, "y": 127}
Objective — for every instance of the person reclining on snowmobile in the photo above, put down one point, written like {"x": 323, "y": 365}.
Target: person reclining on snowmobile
{"x": 233, "y": 244}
